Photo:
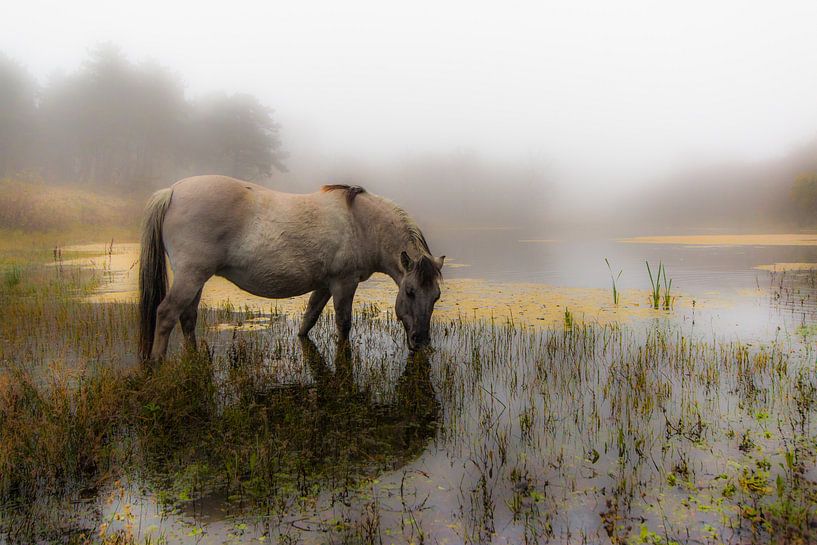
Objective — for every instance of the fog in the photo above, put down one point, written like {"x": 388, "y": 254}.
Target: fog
{"x": 572, "y": 109}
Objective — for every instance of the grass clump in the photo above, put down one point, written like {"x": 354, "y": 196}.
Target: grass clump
{"x": 658, "y": 299}
{"x": 57, "y": 431}
{"x": 614, "y": 279}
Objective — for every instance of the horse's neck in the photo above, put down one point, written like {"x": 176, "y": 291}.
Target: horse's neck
{"x": 393, "y": 242}
{"x": 390, "y": 238}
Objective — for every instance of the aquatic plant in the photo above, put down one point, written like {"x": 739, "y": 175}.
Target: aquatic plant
{"x": 568, "y": 319}
{"x": 658, "y": 299}
{"x": 614, "y": 279}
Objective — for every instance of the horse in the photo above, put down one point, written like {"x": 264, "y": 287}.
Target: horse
{"x": 278, "y": 245}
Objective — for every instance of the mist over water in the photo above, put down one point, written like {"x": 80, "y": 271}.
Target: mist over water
{"x": 576, "y": 112}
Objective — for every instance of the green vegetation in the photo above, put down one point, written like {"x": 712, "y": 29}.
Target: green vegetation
{"x": 657, "y": 299}
{"x": 614, "y": 279}
{"x": 568, "y": 319}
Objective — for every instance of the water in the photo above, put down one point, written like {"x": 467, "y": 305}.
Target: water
{"x": 594, "y": 433}
{"x": 724, "y": 289}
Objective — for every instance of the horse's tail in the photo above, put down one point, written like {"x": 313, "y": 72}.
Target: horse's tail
{"x": 152, "y": 269}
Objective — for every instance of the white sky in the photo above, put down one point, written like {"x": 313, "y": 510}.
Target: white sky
{"x": 607, "y": 93}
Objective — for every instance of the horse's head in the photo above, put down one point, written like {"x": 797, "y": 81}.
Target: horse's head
{"x": 419, "y": 290}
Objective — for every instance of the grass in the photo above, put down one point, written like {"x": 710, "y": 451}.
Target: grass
{"x": 658, "y": 299}
{"x": 614, "y": 279}
{"x": 587, "y": 433}
{"x": 32, "y": 206}
{"x": 568, "y": 320}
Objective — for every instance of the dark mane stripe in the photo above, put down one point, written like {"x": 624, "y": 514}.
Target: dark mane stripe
{"x": 426, "y": 271}
{"x": 352, "y": 191}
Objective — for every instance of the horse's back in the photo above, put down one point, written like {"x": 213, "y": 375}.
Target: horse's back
{"x": 205, "y": 214}
{"x": 269, "y": 243}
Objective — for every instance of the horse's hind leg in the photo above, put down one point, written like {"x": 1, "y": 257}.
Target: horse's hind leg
{"x": 188, "y": 321}
{"x": 317, "y": 301}
{"x": 185, "y": 290}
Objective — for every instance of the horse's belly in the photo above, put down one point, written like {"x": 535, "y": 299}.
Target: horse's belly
{"x": 271, "y": 285}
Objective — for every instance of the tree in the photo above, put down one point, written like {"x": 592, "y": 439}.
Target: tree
{"x": 804, "y": 198}
{"x": 17, "y": 117}
{"x": 116, "y": 123}
{"x": 236, "y": 136}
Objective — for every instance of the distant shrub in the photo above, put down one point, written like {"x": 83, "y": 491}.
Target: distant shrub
{"x": 804, "y": 198}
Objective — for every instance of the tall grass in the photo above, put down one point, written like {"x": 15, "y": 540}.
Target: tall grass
{"x": 659, "y": 299}
{"x": 13, "y": 276}
{"x": 614, "y": 279}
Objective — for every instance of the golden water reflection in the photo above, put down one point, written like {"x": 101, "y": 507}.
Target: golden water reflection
{"x": 463, "y": 298}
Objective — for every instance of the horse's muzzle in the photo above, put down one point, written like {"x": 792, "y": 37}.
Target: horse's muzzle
{"x": 418, "y": 340}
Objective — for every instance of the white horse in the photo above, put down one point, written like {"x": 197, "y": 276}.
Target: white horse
{"x": 278, "y": 245}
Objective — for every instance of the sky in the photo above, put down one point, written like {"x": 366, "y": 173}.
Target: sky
{"x": 608, "y": 95}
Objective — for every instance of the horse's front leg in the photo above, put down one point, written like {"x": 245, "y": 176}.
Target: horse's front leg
{"x": 317, "y": 301}
{"x": 342, "y": 296}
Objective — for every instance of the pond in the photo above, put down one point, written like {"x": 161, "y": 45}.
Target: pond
{"x": 545, "y": 413}
{"x": 750, "y": 287}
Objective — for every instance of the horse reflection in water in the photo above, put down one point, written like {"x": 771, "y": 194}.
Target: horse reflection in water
{"x": 393, "y": 432}
{"x": 324, "y": 433}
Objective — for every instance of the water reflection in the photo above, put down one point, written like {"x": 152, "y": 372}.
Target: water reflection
{"x": 318, "y": 438}
{"x": 404, "y": 425}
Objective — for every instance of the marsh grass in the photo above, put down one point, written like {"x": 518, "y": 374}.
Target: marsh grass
{"x": 568, "y": 320}
{"x": 614, "y": 279}
{"x": 12, "y": 276}
{"x": 658, "y": 299}
{"x": 33, "y": 206}
{"x": 590, "y": 432}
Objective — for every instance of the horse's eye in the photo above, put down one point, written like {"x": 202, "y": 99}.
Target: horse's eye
{"x": 410, "y": 293}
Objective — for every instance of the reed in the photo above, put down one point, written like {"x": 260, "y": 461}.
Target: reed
{"x": 614, "y": 279}
{"x": 659, "y": 299}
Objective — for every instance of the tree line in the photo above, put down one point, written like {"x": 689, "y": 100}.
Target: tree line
{"x": 129, "y": 125}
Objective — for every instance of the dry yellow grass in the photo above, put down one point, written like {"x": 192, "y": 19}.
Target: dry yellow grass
{"x": 28, "y": 206}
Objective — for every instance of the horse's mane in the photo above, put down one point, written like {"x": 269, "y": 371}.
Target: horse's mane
{"x": 413, "y": 231}
{"x": 426, "y": 271}
{"x": 351, "y": 191}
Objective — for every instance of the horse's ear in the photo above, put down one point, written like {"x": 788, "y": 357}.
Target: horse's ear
{"x": 406, "y": 262}
{"x": 438, "y": 261}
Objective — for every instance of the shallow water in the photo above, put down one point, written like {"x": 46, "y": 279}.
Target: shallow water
{"x": 517, "y": 428}
{"x": 518, "y": 436}
{"x": 751, "y": 287}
